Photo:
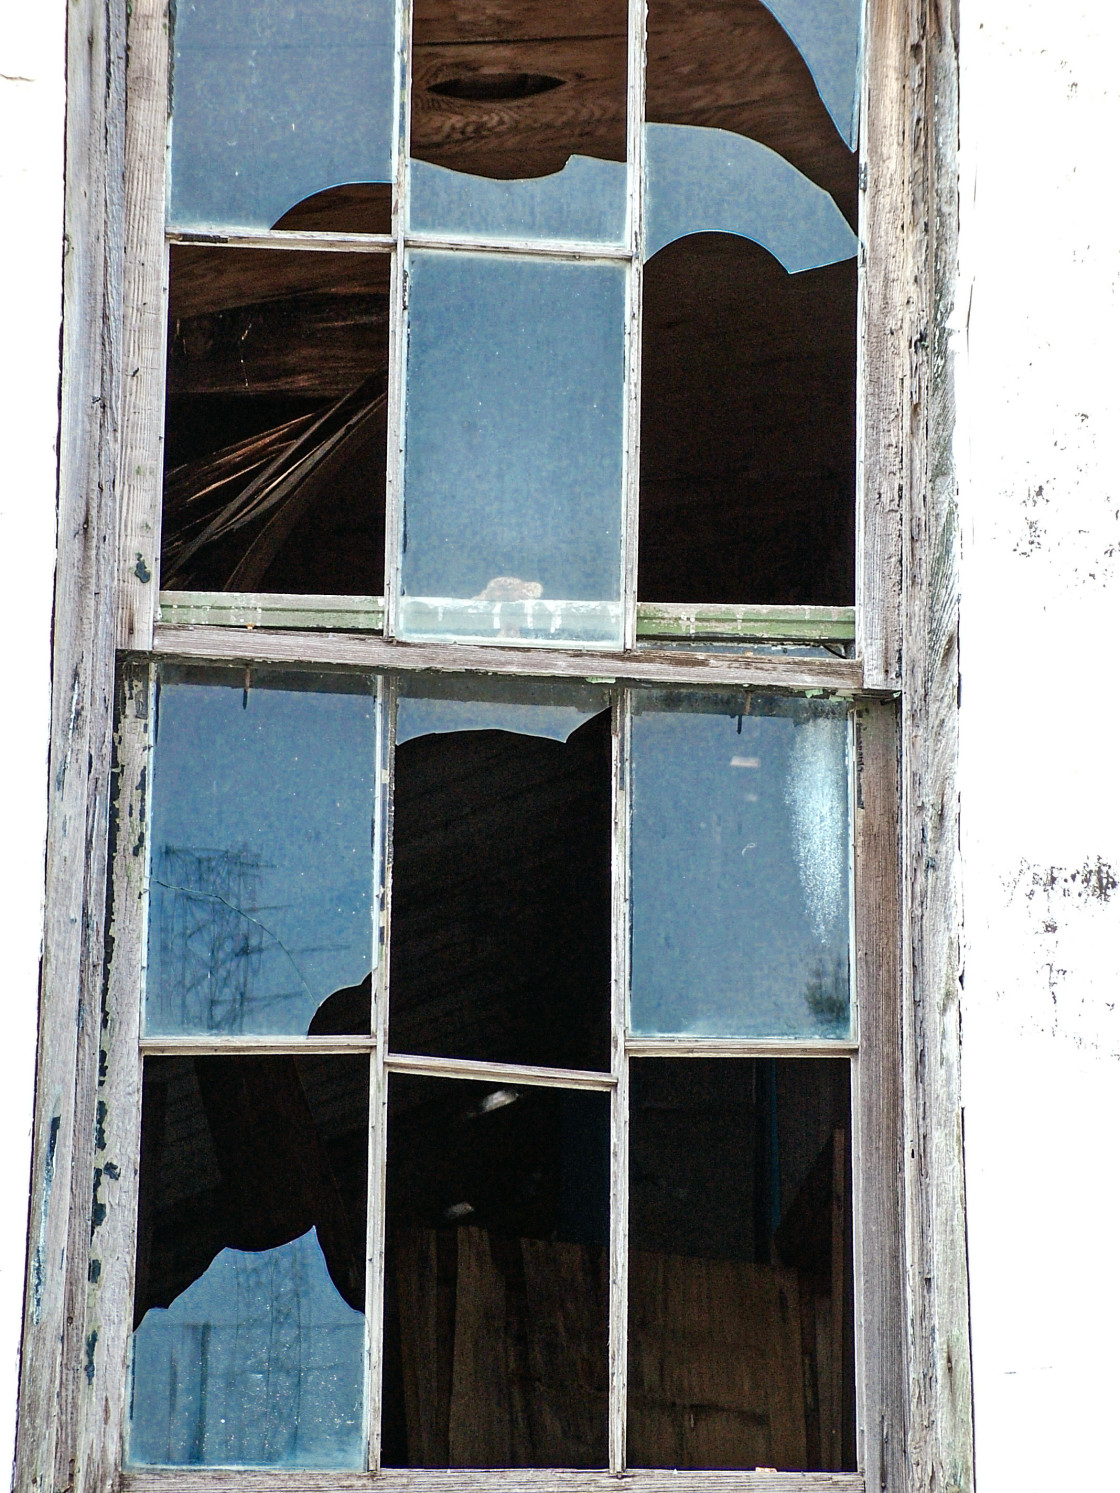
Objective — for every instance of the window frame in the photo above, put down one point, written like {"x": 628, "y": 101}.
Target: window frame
{"x": 910, "y": 1284}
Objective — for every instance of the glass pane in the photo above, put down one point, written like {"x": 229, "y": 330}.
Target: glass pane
{"x": 519, "y": 122}
{"x": 826, "y": 33}
{"x": 262, "y": 838}
{"x": 513, "y": 465}
{"x": 501, "y": 873}
{"x": 704, "y": 180}
{"x": 496, "y": 1276}
{"x": 274, "y": 476}
{"x": 741, "y": 849}
{"x": 273, "y": 103}
{"x": 740, "y": 1279}
{"x": 730, "y": 65}
{"x": 249, "y": 1340}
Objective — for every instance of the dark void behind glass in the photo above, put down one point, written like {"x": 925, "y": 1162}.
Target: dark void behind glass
{"x": 748, "y": 372}
{"x": 501, "y": 885}
{"x": 276, "y": 391}
{"x": 250, "y": 1269}
{"x": 740, "y": 1322}
{"x": 495, "y": 1276}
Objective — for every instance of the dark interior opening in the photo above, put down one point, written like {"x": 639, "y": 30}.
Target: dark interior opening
{"x": 748, "y": 427}
{"x": 501, "y": 897}
{"x": 513, "y": 96}
{"x": 355, "y": 207}
{"x": 496, "y": 1279}
{"x": 274, "y": 474}
{"x": 740, "y": 1283}
{"x": 249, "y": 1153}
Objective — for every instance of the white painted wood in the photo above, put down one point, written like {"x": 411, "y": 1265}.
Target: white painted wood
{"x": 470, "y": 1068}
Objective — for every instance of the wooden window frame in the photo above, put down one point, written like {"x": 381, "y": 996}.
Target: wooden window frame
{"x": 913, "y": 1385}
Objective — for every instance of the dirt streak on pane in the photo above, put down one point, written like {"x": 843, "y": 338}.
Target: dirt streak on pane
{"x": 275, "y": 455}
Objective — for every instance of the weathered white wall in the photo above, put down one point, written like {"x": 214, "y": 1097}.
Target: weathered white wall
{"x": 1039, "y": 452}
{"x": 31, "y": 161}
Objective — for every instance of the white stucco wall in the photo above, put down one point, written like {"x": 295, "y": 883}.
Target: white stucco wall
{"x": 1039, "y": 461}
{"x": 31, "y": 162}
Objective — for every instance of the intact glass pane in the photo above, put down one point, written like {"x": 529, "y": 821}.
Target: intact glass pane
{"x": 740, "y": 1272}
{"x": 502, "y": 872}
{"x": 262, "y": 833}
{"x": 495, "y": 1276}
{"x": 249, "y": 1342}
{"x": 513, "y": 455}
{"x": 276, "y": 103}
{"x": 740, "y": 857}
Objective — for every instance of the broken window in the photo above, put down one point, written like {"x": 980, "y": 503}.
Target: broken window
{"x": 498, "y": 1007}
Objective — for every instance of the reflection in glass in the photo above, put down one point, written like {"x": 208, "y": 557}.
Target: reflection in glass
{"x": 496, "y": 1283}
{"x": 250, "y": 1265}
{"x": 740, "y": 866}
{"x": 261, "y": 843}
{"x": 274, "y": 474}
{"x": 585, "y": 201}
{"x": 705, "y": 180}
{"x": 501, "y": 873}
{"x": 740, "y": 1273}
{"x": 513, "y": 458}
{"x": 275, "y": 103}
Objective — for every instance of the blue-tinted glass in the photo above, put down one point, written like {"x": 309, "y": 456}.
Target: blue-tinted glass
{"x": 826, "y": 33}
{"x": 258, "y": 1363}
{"x": 513, "y": 457}
{"x": 261, "y": 843}
{"x": 586, "y": 200}
{"x": 435, "y": 704}
{"x": 740, "y": 864}
{"x": 272, "y": 103}
{"x": 713, "y": 181}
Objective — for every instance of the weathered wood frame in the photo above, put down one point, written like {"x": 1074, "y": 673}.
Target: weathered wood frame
{"x": 916, "y": 1428}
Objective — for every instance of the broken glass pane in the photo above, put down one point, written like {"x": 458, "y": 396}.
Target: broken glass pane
{"x": 495, "y": 1276}
{"x": 741, "y": 852}
{"x": 586, "y": 200}
{"x": 740, "y": 1273}
{"x": 501, "y": 873}
{"x": 705, "y": 180}
{"x": 274, "y": 476}
{"x": 513, "y": 453}
{"x": 262, "y": 836}
{"x": 519, "y": 126}
{"x": 826, "y": 33}
{"x": 272, "y": 104}
{"x": 250, "y": 1284}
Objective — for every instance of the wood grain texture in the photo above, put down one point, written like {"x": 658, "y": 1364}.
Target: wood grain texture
{"x": 881, "y": 1360}
{"x": 55, "y": 1350}
{"x": 940, "y": 1422}
{"x": 764, "y": 671}
{"x": 140, "y": 464}
{"x": 552, "y": 1078}
{"x": 521, "y": 1480}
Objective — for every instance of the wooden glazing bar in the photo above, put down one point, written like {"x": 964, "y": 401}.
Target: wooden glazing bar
{"x": 749, "y": 671}
{"x": 500, "y": 1480}
{"x": 513, "y": 1073}
{"x": 378, "y": 1074}
{"x": 635, "y": 177}
{"x": 541, "y": 248}
{"x": 280, "y": 238}
{"x": 618, "y": 1305}
{"x": 219, "y": 1045}
{"x": 737, "y": 1047}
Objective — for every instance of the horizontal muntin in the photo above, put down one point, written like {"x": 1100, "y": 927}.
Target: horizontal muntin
{"x": 327, "y": 650}
{"x": 382, "y": 243}
{"x": 493, "y": 1480}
